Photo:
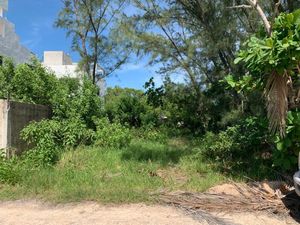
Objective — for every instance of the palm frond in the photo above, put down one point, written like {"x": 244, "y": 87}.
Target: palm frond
{"x": 276, "y": 92}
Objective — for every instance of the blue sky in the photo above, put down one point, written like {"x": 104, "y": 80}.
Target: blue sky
{"x": 34, "y": 24}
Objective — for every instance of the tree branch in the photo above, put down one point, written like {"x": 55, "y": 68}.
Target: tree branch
{"x": 240, "y": 6}
{"x": 256, "y": 6}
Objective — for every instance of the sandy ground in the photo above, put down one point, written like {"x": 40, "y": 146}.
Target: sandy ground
{"x": 34, "y": 213}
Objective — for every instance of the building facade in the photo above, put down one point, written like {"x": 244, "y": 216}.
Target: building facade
{"x": 9, "y": 41}
{"x": 61, "y": 64}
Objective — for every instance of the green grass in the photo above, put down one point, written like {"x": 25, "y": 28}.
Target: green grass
{"x": 135, "y": 174}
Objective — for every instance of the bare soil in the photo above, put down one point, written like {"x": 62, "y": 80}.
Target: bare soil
{"x": 36, "y": 213}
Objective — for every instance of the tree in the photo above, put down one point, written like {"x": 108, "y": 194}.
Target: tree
{"x": 130, "y": 107}
{"x": 195, "y": 39}
{"x": 29, "y": 83}
{"x": 273, "y": 56}
{"x": 89, "y": 23}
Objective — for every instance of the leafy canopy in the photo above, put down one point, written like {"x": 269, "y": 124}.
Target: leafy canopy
{"x": 279, "y": 52}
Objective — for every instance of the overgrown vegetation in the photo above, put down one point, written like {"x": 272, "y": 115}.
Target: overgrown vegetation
{"x": 273, "y": 62}
{"x": 136, "y": 173}
{"x": 131, "y": 144}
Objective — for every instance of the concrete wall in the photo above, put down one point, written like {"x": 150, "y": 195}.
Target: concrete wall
{"x": 14, "y": 116}
{"x": 3, "y": 124}
{"x": 64, "y": 70}
{"x": 56, "y": 58}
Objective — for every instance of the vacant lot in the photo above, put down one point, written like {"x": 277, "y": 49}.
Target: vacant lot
{"x": 129, "y": 178}
{"x": 134, "y": 174}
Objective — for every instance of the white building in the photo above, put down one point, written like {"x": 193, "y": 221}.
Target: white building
{"x": 61, "y": 65}
{"x": 9, "y": 41}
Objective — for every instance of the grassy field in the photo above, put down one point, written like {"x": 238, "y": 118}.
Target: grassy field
{"x": 135, "y": 174}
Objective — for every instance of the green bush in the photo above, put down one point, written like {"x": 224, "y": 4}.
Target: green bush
{"x": 45, "y": 137}
{"x": 76, "y": 99}
{"x": 151, "y": 134}
{"x": 222, "y": 146}
{"x": 29, "y": 83}
{"x": 50, "y": 137}
{"x": 287, "y": 149}
{"x": 9, "y": 171}
{"x": 113, "y": 135}
{"x": 239, "y": 146}
{"x": 182, "y": 109}
{"x": 129, "y": 106}
{"x": 74, "y": 132}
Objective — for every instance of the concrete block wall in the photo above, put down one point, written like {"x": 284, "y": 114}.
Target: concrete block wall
{"x": 14, "y": 116}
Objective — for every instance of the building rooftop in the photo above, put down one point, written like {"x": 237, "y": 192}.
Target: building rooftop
{"x": 57, "y": 58}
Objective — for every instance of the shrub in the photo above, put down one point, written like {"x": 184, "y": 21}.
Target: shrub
{"x": 45, "y": 137}
{"x": 9, "y": 172}
{"x": 50, "y": 137}
{"x": 76, "y": 99}
{"x": 220, "y": 147}
{"x": 27, "y": 82}
{"x": 151, "y": 134}
{"x": 129, "y": 106}
{"x": 182, "y": 109}
{"x": 113, "y": 135}
{"x": 239, "y": 145}
{"x": 74, "y": 132}
{"x": 287, "y": 149}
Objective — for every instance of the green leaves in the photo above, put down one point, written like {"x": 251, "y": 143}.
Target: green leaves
{"x": 238, "y": 60}
{"x": 91, "y": 26}
{"x": 288, "y": 148}
{"x": 245, "y": 84}
{"x": 264, "y": 54}
{"x": 48, "y": 138}
{"x": 29, "y": 83}
{"x": 111, "y": 135}
{"x": 278, "y": 53}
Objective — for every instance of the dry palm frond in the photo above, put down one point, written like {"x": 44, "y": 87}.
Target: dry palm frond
{"x": 252, "y": 197}
{"x": 276, "y": 92}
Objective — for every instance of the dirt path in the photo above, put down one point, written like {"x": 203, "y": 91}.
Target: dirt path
{"x": 34, "y": 213}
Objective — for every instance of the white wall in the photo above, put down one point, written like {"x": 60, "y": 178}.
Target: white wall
{"x": 56, "y": 58}
{"x": 63, "y": 70}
